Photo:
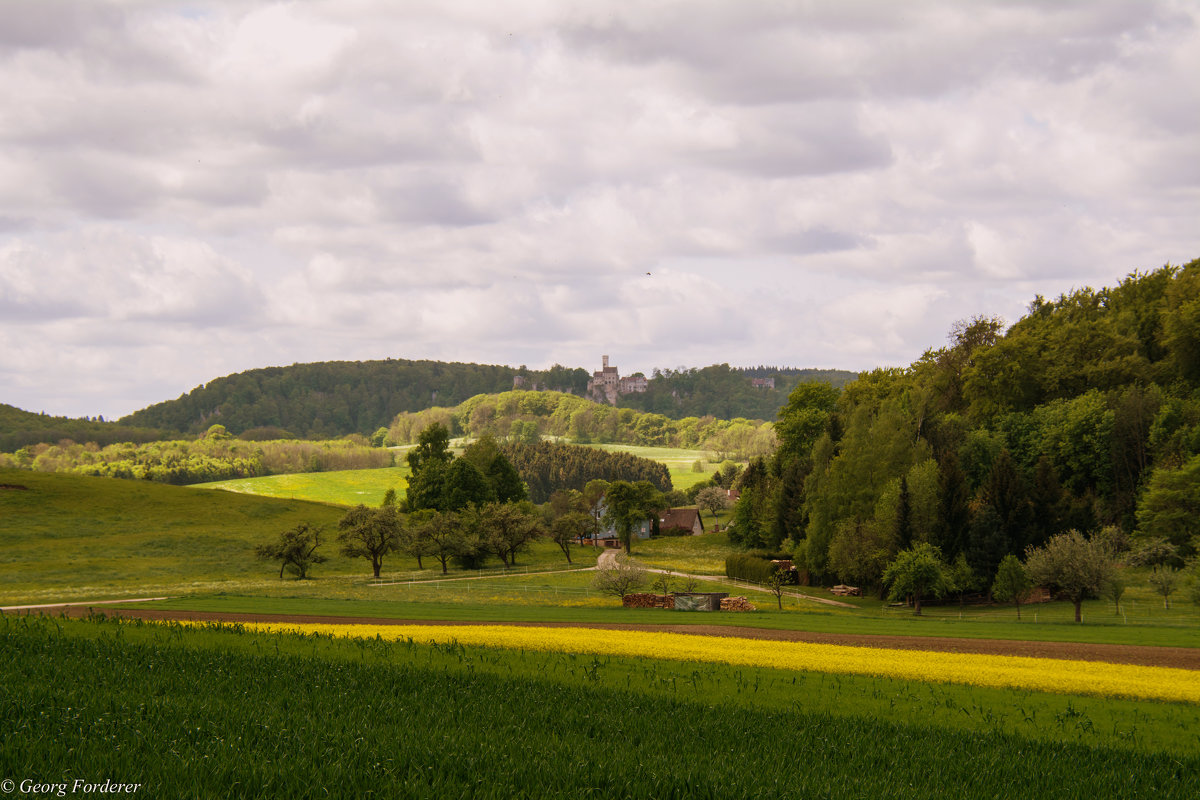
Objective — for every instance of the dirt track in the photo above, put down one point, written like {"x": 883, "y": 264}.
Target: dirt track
{"x": 1180, "y": 657}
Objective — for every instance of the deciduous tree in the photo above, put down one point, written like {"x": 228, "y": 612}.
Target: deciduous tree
{"x": 917, "y": 572}
{"x": 1071, "y": 565}
{"x": 619, "y": 579}
{"x": 296, "y": 550}
{"x": 1011, "y": 582}
{"x": 370, "y": 533}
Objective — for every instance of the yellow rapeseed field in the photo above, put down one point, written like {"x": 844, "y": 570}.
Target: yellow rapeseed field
{"x": 1039, "y": 674}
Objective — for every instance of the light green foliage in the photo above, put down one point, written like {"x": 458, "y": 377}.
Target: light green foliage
{"x": 628, "y": 504}
{"x": 1011, "y": 582}
{"x": 917, "y": 572}
{"x": 1171, "y": 505}
{"x": 803, "y": 419}
{"x": 875, "y": 449}
{"x": 1071, "y": 564}
{"x": 861, "y": 551}
{"x": 713, "y": 500}
{"x": 210, "y": 458}
{"x": 1165, "y": 581}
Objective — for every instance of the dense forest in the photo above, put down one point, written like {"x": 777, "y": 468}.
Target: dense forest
{"x": 527, "y": 416}
{"x": 1084, "y": 415}
{"x": 546, "y": 467}
{"x": 22, "y": 428}
{"x": 724, "y": 392}
{"x": 335, "y": 398}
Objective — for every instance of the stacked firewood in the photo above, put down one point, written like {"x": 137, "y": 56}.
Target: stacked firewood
{"x": 737, "y": 604}
{"x": 647, "y": 600}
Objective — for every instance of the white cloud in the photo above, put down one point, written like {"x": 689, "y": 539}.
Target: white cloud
{"x": 189, "y": 191}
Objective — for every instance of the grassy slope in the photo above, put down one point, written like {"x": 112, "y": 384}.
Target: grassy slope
{"x": 343, "y": 487}
{"x": 70, "y": 537}
{"x": 66, "y": 535}
{"x": 680, "y": 463}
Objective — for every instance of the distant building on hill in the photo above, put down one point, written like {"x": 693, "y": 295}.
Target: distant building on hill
{"x": 762, "y": 383}
{"x": 606, "y": 384}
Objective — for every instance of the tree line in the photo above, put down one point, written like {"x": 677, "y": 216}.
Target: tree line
{"x": 528, "y": 416}
{"x": 547, "y": 467}
{"x": 215, "y": 456}
{"x": 467, "y": 509}
{"x": 1083, "y": 416}
{"x": 723, "y": 392}
{"x": 20, "y": 428}
{"x": 335, "y": 398}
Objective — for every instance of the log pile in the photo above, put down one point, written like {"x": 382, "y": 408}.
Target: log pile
{"x": 648, "y": 600}
{"x": 842, "y": 590}
{"x": 737, "y": 604}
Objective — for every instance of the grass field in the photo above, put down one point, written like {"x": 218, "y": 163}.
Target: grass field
{"x": 680, "y": 463}
{"x": 344, "y": 487}
{"x": 233, "y": 712}
{"x": 70, "y": 537}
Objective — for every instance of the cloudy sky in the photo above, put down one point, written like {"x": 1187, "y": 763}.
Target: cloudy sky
{"x": 189, "y": 190}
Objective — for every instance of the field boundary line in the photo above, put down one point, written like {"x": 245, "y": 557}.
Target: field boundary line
{"x": 88, "y": 603}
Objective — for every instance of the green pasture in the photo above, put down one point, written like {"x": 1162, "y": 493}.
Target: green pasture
{"x": 216, "y": 712}
{"x": 343, "y": 487}
{"x": 697, "y": 555}
{"x": 73, "y": 538}
{"x": 680, "y": 463}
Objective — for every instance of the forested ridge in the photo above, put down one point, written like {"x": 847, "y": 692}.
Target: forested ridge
{"x": 334, "y": 398}
{"x": 19, "y": 428}
{"x": 725, "y": 392}
{"x": 1084, "y": 414}
{"x": 330, "y": 399}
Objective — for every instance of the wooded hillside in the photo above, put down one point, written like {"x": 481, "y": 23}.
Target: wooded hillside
{"x": 1083, "y": 414}
{"x": 335, "y": 398}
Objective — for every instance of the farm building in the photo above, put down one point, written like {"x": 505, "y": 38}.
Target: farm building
{"x": 687, "y": 519}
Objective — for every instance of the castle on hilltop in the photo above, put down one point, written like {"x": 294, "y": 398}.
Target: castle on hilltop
{"x": 606, "y": 384}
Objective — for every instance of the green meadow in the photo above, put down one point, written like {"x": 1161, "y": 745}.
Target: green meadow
{"x": 76, "y": 538}
{"x": 344, "y": 487}
{"x": 681, "y": 463}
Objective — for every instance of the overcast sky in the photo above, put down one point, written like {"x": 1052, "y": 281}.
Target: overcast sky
{"x": 189, "y": 190}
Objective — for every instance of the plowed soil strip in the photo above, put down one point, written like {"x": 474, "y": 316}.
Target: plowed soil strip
{"x": 1179, "y": 657}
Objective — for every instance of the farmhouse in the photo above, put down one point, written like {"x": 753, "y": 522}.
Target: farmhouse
{"x": 687, "y": 519}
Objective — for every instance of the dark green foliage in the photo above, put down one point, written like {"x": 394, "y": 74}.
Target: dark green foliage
{"x": 465, "y": 486}
{"x": 749, "y": 567}
{"x": 725, "y": 393}
{"x": 24, "y": 428}
{"x": 335, "y": 398}
{"x": 546, "y": 467}
{"x": 295, "y": 550}
{"x": 370, "y": 533}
